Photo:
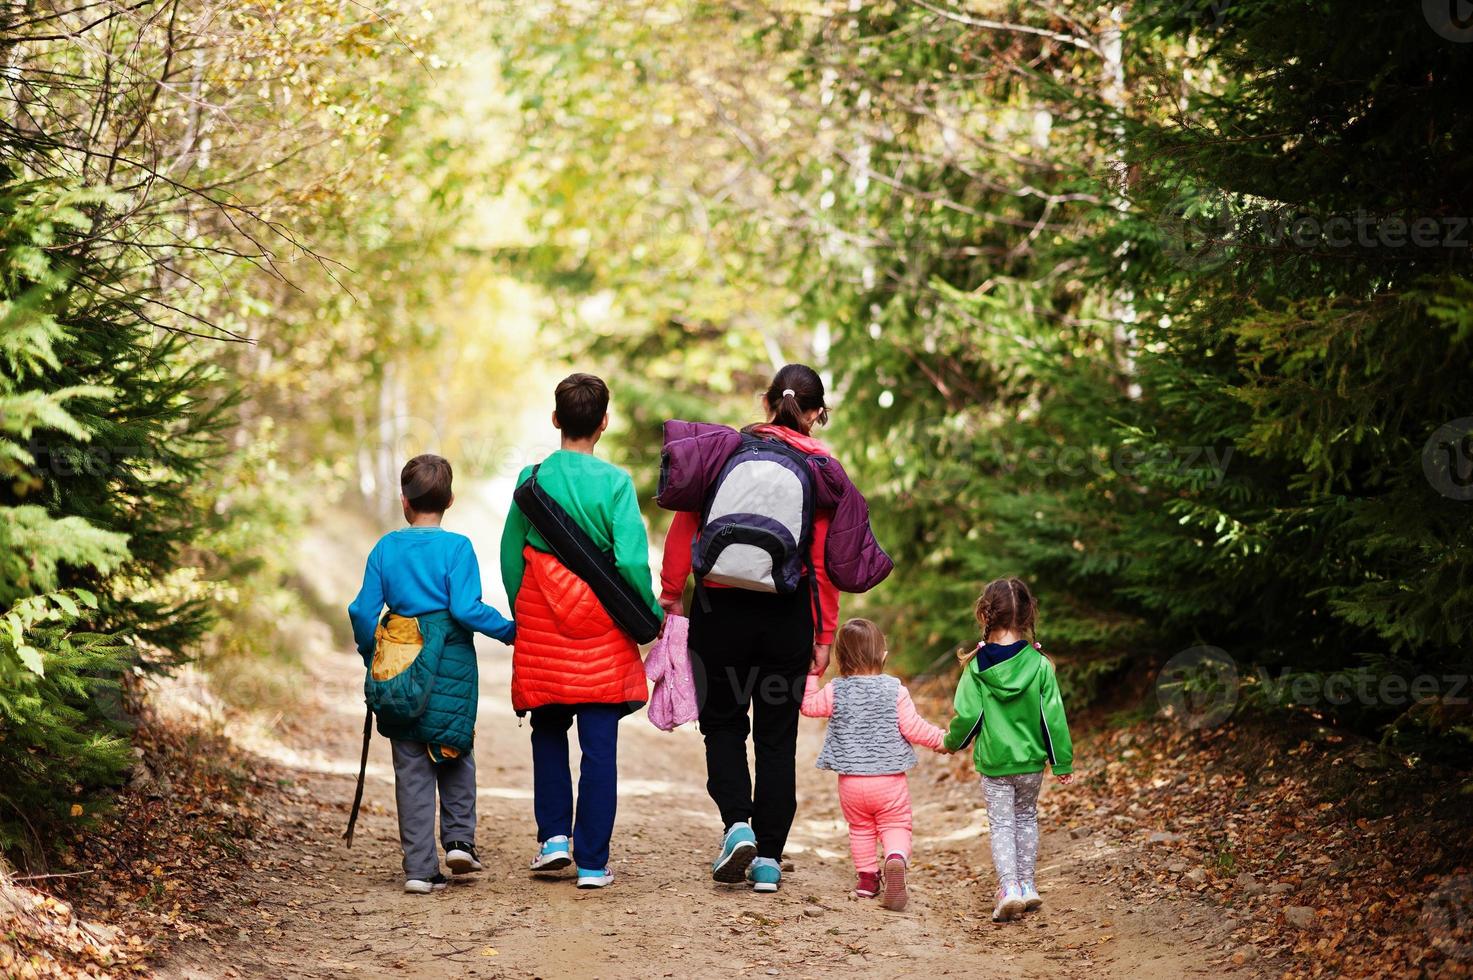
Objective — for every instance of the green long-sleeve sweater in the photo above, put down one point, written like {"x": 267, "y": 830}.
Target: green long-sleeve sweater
{"x": 1014, "y": 711}
{"x": 600, "y": 497}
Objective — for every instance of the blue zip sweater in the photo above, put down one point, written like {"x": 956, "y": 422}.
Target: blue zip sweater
{"x": 419, "y": 570}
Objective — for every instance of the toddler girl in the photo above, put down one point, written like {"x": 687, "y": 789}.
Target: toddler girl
{"x": 872, "y": 724}
{"x": 1008, "y": 700}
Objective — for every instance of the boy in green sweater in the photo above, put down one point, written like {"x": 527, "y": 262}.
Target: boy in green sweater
{"x": 1008, "y": 701}
{"x": 571, "y": 662}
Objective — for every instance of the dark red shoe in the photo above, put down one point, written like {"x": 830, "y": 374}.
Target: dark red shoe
{"x": 895, "y": 898}
{"x": 867, "y": 884}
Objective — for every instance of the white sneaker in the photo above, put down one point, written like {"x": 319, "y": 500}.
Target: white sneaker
{"x": 555, "y": 855}
{"x": 1009, "y": 905}
{"x": 424, "y": 886}
{"x": 462, "y": 858}
{"x": 1032, "y": 901}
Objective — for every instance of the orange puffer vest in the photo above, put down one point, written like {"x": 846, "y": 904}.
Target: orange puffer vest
{"x": 568, "y": 650}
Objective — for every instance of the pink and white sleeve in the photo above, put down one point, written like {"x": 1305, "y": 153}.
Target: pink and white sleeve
{"x": 818, "y": 703}
{"x": 917, "y": 730}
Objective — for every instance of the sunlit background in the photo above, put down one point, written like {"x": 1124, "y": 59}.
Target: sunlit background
{"x": 1163, "y": 306}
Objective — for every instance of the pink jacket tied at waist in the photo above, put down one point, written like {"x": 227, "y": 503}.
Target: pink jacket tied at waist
{"x": 673, "y": 701}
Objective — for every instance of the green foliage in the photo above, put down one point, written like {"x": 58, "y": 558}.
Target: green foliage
{"x": 1076, "y": 323}
{"x": 62, "y": 549}
{"x": 240, "y": 278}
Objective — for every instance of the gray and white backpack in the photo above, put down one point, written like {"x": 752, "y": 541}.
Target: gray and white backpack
{"x": 757, "y": 525}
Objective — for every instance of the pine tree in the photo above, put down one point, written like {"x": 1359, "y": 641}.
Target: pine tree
{"x": 100, "y": 441}
{"x": 1326, "y": 357}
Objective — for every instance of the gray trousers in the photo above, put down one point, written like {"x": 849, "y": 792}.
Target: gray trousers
{"x": 416, "y": 779}
{"x": 1012, "y": 818}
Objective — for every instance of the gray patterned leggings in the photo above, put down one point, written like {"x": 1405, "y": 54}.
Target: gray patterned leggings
{"x": 1012, "y": 815}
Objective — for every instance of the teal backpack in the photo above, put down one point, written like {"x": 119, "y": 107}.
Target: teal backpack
{"x": 399, "y": 682}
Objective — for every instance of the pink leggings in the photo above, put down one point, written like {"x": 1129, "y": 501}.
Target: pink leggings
{"x": 878, "y": 810}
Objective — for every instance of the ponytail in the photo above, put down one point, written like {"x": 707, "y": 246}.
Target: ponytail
{"x": 795, "y": 391}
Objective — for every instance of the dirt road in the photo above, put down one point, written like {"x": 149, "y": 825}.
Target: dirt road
{"x": 323, "y": 911}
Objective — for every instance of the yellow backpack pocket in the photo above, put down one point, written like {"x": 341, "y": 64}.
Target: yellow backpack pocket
{"x": 398, "y": 643}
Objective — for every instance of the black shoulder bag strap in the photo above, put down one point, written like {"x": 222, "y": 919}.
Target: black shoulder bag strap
{"x": 572, "y": 546}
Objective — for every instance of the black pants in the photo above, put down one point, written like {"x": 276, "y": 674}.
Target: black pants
{"x": 751, "y": 652}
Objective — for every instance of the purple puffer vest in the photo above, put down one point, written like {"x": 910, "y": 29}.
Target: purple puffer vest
{"x": 693, "y": 456}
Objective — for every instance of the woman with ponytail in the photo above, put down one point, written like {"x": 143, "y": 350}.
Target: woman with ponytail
{"x": 755, "y": 649}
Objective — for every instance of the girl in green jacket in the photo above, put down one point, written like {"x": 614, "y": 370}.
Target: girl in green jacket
{"x": 1007, "y": 700}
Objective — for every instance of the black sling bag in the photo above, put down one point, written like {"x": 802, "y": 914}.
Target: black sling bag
{"x": 575, "y": 549}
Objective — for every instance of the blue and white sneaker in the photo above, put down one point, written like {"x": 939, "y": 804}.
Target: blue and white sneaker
{"x": 765, "y": 874}
{"x": 738, "y": 848}
{"x": 595, "y": 879}
{"x": 553, "y": 856}
{"x": 1032, "y": 901}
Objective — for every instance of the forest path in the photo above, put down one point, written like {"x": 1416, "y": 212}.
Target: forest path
{"x": 320, "y": 910}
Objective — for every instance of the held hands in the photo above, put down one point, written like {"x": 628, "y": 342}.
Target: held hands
{"x": 820, "y": 659}
{"x": 1065, "y": 779}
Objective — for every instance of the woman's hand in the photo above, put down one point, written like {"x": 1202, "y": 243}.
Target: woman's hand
{"x": 1065, "y": 779}
{"x": 672, "y": 607}
{"x": 820, "y": 659}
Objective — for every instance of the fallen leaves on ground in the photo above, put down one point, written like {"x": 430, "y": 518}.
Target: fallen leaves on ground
{"x": 1331, "y": 861}
{"x": 159, "y": 868}
{"x": 42, "y": 936}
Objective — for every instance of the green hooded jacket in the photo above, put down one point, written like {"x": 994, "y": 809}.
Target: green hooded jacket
{"x": 1014, "y": 711}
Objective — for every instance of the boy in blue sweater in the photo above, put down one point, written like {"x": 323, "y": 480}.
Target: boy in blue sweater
{"x": 431, "y": 583}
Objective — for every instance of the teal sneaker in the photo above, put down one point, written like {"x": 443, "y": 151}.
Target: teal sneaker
{"x": 589, "y": 878}
{"x": 738, "y": 848}
{"x": 764, "y": 874}
{"x": 554, "y": 855}
{"x": 1032, "y": 902}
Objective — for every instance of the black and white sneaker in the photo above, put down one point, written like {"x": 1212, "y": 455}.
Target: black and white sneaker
{"x": 462, "y": 858}
{"x": 424, "y": 886}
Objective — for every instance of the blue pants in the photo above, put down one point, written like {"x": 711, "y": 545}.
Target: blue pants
{"x": 598, "y": 780}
